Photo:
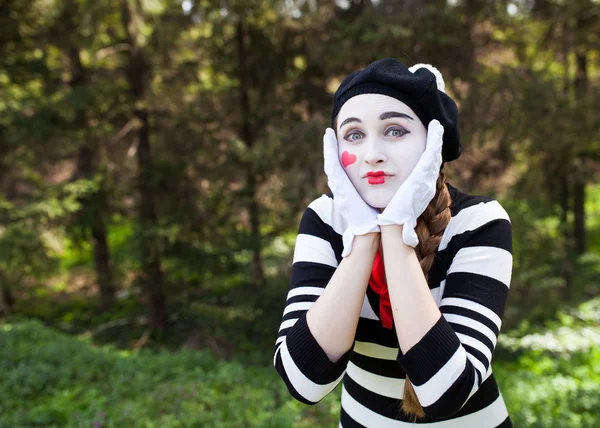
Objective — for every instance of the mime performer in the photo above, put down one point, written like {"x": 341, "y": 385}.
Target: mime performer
{"x": 399, "y": 279}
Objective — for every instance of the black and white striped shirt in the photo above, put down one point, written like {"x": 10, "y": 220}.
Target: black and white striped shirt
{"x": 451, "y": 365}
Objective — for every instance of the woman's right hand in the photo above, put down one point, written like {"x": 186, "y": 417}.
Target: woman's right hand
{"x": 417, "y": 191}
{"x": 362, "y": 218}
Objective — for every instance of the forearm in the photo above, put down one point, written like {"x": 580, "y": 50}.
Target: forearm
{"x": 413, "y": 307}
{"x": 333, "y": 318}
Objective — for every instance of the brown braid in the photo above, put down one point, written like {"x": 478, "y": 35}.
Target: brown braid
{"x": 430, "y": 227}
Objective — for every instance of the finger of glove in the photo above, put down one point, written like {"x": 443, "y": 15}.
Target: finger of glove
{"x": 337, "y": 179}
{"x": 409, "y": 236}
{"x": 424, "y": 177}
{"x": 361, "y": 217}
{"x": 330, "y": 154}
{"x": 430, "y": 168}
{"x": 333, "y": 167}
{"x": 435, "y": 131}
{"x": 433, "y": 151}
{"x": 384, "y": 219}
{"x": 347, "y": 239}
{"x": 399, "y": 209}
{"x": 350, "y": 234}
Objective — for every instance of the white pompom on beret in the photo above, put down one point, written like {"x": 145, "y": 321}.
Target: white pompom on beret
{"x": 439, "y": 80}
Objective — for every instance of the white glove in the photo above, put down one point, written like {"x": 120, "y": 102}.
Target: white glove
{"x": 413, "y": 196}
{"x": 362, "y": 218}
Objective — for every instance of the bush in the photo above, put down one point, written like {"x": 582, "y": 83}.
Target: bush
{"x": 550, "y": 376}
{"x": 50, "y": 379}
{"x": 544, "y": 391}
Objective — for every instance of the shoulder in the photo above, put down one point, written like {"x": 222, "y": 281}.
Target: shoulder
{"x": 322, "y": 220}
{"x": 323, "y": 210}
{"x": 471, "y": 214}
{"x": 475, "y": 207}
{"x": 467, "y": 204}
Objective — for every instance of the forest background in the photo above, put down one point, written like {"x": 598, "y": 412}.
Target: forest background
{"x": 156, "y": 156}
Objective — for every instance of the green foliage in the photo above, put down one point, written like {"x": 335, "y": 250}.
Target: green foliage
{"x": 545, "y": 391}
{"x": 52, "y": 380}
{"x": 538, "y": 259}
{"x": 30, "y": 242}
{"x": 550, "y": 377}
{"x": 25, "y": 254}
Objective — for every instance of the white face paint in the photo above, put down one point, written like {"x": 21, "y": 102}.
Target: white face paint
{"x": 379, "y": 134}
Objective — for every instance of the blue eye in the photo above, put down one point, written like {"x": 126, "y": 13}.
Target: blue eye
{"x": 396, "y": 132}
{"x": 353, "y": 136}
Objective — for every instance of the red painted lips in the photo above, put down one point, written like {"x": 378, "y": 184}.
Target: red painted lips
{"x": 376, "y": 177}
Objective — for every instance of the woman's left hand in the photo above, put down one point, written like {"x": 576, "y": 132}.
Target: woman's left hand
{"x": 413, "y": 196}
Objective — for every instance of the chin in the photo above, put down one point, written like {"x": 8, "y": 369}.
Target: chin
{"x": 378, "y": 200}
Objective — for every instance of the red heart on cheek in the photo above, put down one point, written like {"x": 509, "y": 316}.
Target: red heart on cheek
{"x": 348, "y": 159}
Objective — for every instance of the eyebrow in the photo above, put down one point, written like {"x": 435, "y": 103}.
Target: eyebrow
{"x": 390, "y": 114}
{"x": 350, "y": 119}
{"x": 384, "y": 116}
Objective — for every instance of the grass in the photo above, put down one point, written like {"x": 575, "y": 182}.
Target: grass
{"x": 52, "y": 379}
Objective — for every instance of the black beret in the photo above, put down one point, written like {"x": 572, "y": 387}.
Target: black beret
{"x": 418, "y": 90}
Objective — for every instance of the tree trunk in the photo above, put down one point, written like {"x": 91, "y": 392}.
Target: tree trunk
{"x": 92, "y": 219}
{"x": 7, "y": 299}
{"x": 567, "y": 268}
{"x": 152, "y": 275}
{"x": 138, "y": 75}
{"x": 247, "y": 135}
{"x": 581, "y": 84}
{"x": 579, "y": 212}
{"x": 93, "y": 206}
{"x": 258, "y": 276}
{"x": 103, "y": 264}
{"x": 564, "y": 170}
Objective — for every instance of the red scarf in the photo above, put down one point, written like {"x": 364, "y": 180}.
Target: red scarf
{"x": 378, "y": 284}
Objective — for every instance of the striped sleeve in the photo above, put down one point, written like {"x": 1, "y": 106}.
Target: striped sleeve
{"x": 300, "y": 361}
{"x": 451, "y": 361}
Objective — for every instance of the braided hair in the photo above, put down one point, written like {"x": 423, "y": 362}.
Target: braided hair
{"x": 430, "y": 228}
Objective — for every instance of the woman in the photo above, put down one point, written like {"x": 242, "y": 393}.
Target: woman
{"x": 399, "y": 279}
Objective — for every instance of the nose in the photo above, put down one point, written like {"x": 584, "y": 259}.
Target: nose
{"x": 374, "y": 154}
